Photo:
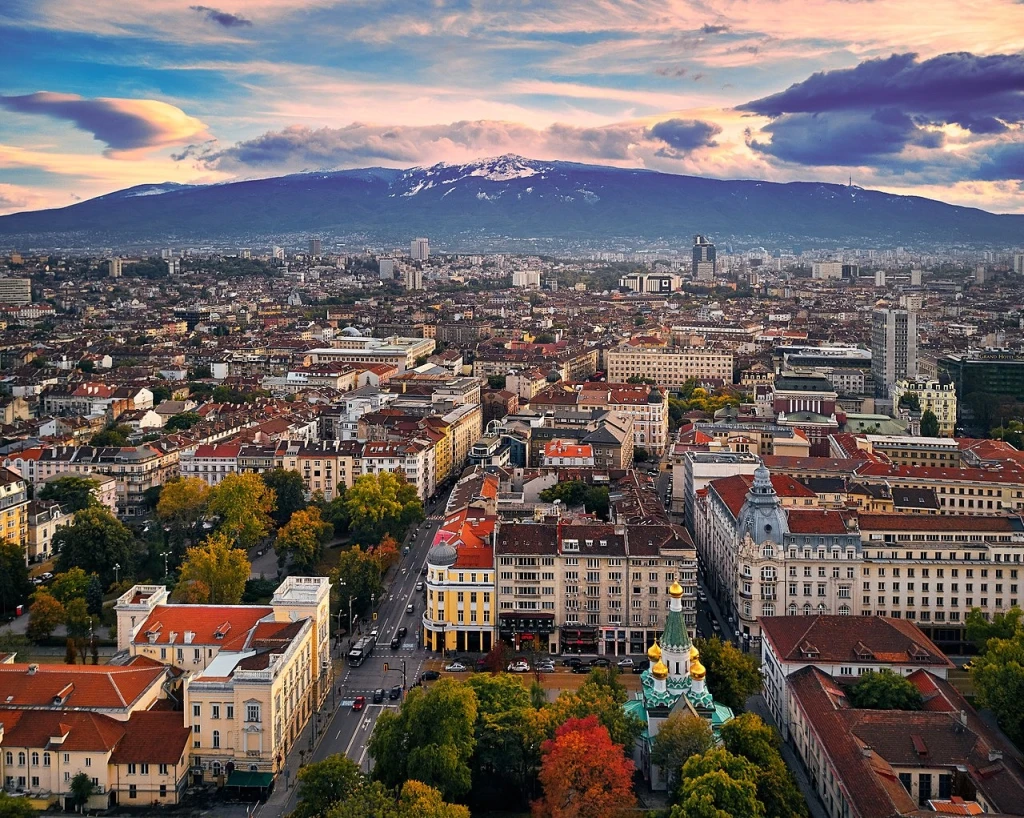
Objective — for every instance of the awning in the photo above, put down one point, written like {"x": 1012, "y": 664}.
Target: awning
{"x": 247, "y": 778}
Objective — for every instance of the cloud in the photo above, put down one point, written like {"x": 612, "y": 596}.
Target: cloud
{"x": 299, "y": 147}
{"x": 707, "y": 28}
{"x": 125, "y": 125}
{"x": 222, "y": 18}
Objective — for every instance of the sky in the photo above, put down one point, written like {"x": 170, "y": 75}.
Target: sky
{"x": 921, "y": 97}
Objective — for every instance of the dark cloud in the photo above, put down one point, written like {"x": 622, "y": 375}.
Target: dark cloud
{"x": 670, "y": 72}
{"x": 707, "y": 28}
{"x": 988, "y": 87}
{"x": 1005, "y": 161}
{"x": 683, "y": 136}
{"x": 123, "y": 124}
{"x": 222, "y": 18}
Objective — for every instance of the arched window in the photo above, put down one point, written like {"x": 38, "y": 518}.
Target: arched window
{"x": 254, "y": 768}
{"x": 768, "y": 609}
{"x": 9, "y": 757}
{"x": 216, "y": 739}
{"x": 821, "y": 608}
{"x": 46, "y": 759}
{"x": 807, "y": 609}
{"x": 844, "y": 610}
{"x": 792, "y": 609}
{"x": 216, "y": 767}
{"x": 35, "y": 759}
{"x": 21, "y": 759}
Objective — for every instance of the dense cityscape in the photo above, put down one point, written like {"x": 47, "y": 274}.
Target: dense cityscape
{"x": 304, "y": 532}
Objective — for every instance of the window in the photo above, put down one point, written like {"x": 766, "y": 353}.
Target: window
{"x": 230, "y": 711}
{"x": 35, "y": 759}
{"x": 46, "y": 759}
{"x": 252, "y": 712}
{"x": 197, "y": 710}
{"x": 131, "y": 791}
{"x": 216, "y": 739}
{"x": 215, "y": 711}
{"x": 88, "y": 761}
{"x": 163, "y": 790}
{"x": 163, "y": 769}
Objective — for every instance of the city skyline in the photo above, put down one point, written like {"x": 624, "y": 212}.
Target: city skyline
{"x": 900, "y": 96}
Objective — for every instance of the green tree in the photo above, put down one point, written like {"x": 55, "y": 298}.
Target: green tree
{"x": 431, "y": 739}
{"x": 78, "y": 620}
{"x": 884, "y": 691}
{"x": 11, "y": 807}
{"x": 72, "y": 491}
{"x": 575, "y": 493}
{"x": 181, "y": 507}
{"x": 303, "y": 538}
{"x": 680, "y": 736}
{"x": 496, "y": 381}
{"x": 14, "y": 585}
{"x": 1004, "y": 625}
{"x": 370, "y": 799}
{"x": 733, "y": 676}
{"x": 379, "y": 504}
{"x": 641, "y": 455}
{"x": 243, "y": 502}
{"x": 220, "y": 567}
{"x": 72, "y": 584}
{"x": 182, "y": 422}
{"x": 601, "y": 695}
{"x": 95, "y": 542}
{"x": 325, "y": 783}
{"x": 417, "y": 800}
{"x": 357, "y": 575}
{"x": 290, "y": 492}
{"x": 45, "y": 614}
{"x": 929, "y": 424}
{"x": 998, "y": 676}
{"x": 334, "y": 511}
{"x": 910, "y": 401}
{"x": 82, "y": 789}
{"x": 748, "y": 736}
{"x": 116, "y": 436}
{"x": 718, "y": 784}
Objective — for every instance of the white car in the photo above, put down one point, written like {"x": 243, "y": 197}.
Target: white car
{"x": 627, "y": 662}
{"x": 519, "y": 667}
{"x": 455, "y": 667}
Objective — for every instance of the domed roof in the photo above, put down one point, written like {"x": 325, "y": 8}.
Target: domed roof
{"x": 553, "y": 376}
{"x": 762, "y": 515}
{"x": 442, "y": 554}
{"x": 660, "y": 670}
{"x": 654, "y": 653}
{"x": 694, "y": 653}
{"x": 655, "y": 395}
{"x": 697, "y": 671}
{"x": 675, "y": 590}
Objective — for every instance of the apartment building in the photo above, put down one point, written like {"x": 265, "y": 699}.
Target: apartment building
{"x": 211, "y": 463}
{"x": 413, "y": 458}
{"x": 903, "y": 450}
{"x": 933, "y": 396}
{"x": 580, "y": 586}
{"x": 669, "y": 366}
{"x": 13, "y": 508}
{"x": 44, "y": 518}
{"x": 559, "y": 453}
{"x": 463, "y": 426}
{"x": 571, "y": 362}
{"x": 398, "y": 351}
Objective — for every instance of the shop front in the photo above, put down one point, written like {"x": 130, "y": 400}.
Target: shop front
{"x": 578, "y": 638}
{"x": 528, "y": 631}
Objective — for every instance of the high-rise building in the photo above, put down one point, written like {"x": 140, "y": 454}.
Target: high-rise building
{"x": 315, "y": 247}
{"x": 413, "y": 278}
{"x": 893, "y": 348}
{"x": 277, "y": 253}
{"x": 114, "y": 267}
{"x": 173, "y": 266}
{"x": 1018, "y": 263}
{"x": 16, "y": 291}
{"x": 703, "y": 259}
{"x": 387, "y": 269}
{"x": 419, "y": 249}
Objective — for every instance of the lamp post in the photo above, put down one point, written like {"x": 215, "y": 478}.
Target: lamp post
{"x": 117, "y": 569}
{"x": 165, "y": 554}
{"x": 351, "y": 597}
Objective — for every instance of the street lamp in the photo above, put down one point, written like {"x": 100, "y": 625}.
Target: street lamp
{"x": 117, "y": 569}
{"x": 165, "y": 554}
{"x": 351, "y": 597}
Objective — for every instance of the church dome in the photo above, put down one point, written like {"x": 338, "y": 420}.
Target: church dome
{"x": 697, "y": 671}
{"x": 654, "y": 653}
{"x": 676, "y": 590}
{"x": 694, "y": 653}
{"x": 660, "y": 670}
{"x": 442, "y": 554}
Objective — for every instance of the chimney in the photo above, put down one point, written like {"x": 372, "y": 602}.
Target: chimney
{"x": 963, "y": 717}
{"x": 32, "y": 669}
{"x": 865, "y": 751}
{"x": 995, "y": 755}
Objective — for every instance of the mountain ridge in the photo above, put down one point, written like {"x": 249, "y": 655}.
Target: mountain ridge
{"x": 508, "y": 199}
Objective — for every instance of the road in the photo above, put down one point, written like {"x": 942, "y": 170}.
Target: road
{"x": 339, "y": 729}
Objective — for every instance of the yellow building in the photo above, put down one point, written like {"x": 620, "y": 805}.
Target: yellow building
{"x": 939, "y": 398}
{"x": 13, "y": 508}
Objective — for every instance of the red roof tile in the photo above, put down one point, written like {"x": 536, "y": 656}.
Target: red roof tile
{"x": 203, "y": 622}
{"x": 153, "y": 737}
{"x": 87, "y": 686}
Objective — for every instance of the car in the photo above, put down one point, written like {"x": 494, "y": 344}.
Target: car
{"x": 46, "y": 576}
{"x": 378, "y": 695}
{"x": 455, "y": 667}
{"x": 545, "y": 667}
{"x": 640, "y": 667}
{"x": 395, "y": 643}
{"x": 968, "y": 665}
{"x": 410, "y": 608}
{"x": 429, "y": 675}
{"x": 359, "y": 702}
{"x": 519, "y": 666}
{"x": 626, "y": 662}
{"x": 423, "y": 571}
{"x": 37, "y": 581}
{"x": 405, "y": 550}
{"x": 581, "y": 668}
{"x": 419, "y": 585}
{"x": 600, "y": 661}
{"x": 396, "y": 693}
{"x": 402, "y": 631}
{"x": 572, "y": 661}
{"x": 375, "y": 633}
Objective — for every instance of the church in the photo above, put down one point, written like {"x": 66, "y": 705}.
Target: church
{"x": 674, "y": 683}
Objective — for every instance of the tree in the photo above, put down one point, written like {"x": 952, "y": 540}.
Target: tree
{"x": 431, "y": 739}
{"x": 191, "y": 592}
{"x": 182, "y": 505}
{"x": 11, "y": 807}
{"x": 79, "y": 622}
{"x": 116, "y": 436}
{"x": 417, "y": 800}
{"x": 998, "y": 676}
{"x": 325, "y": 783}
{"x": 72, "y": 491}
{"x": 182, "y": 422}
{"x": 72, "y": 584}
{"x": 45, "y": 614}
{"x": 302, "y": 537}
{"x": 748, "y": 736}
{"x": 908, "y": 400}
{"x": 733, "y": 676}
{"x": 884, "y": 691}
{"x": 1004, "y": 625}
{"x": 601, "y": 695}
{"x": 584, "y": 774}
{"x": 243, "y": 502}
{"x": 82, "y": 789}
{"x": 929, "y": 424}
{"x": 496, "y": 381}
{"x": 379, "y": 504}
{"x": 370, "y": 799}
{"x": 640, "y": 454}
{"x": 70, "y": 653}
{"x": 358, "y": 576}
{"x": 95, "y": 542}
{"x": 218, "y": 565}
{"x": 718, "y": 784}
{"x": 289, "y": 490}
{"x": 680, "y": 736}
{"x": 574, "y": 493}
{"x": 385, "y": 553}
{"x": 335, "y": 511}
{"x": 14, "y": 585}
{"x": 94, "y": 595}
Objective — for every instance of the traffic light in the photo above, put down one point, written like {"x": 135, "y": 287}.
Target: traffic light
{"x": 385, "y": 667}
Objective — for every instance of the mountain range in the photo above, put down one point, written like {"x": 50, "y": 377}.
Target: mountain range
{"x": 503, "y": 203}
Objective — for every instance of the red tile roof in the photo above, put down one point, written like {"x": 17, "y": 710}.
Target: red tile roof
{"x": 87, "y": 686}
{"x": 733, "y": 490}
{"x": 932, "y": 522}
{"x": 816, "y": 521}
{"x": 84, "y": 731}
{"x": 153, "y": 737}
{"x": 203, "y": 622}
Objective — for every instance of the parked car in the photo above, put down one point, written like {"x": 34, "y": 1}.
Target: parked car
{"x": 402, "y": 631}
{"x": 410, "y": 608}
{"x": 396, "y": 692}
{"x": 378, "y": 695}
{"x": 419, "y": 585}
{"x": 600, "y": 661}
{"x": 375, "y": 633}
{"x": 359, "y": 702}
{"x": 519, "y": 666}
{"x": 640, "y": 667}
{"x": 423, "y": 571}
{"x": 37, "y": 580}
{"x": 572, "y": 661}
{"x": 546, "y": 667}
{"x": 429, "y": 675}
{"x": 625, "y": 662}
{"x": 46, "y": 576}
{"x": 395, "y": 643}
{"x": 581, "y": 668}
{"x": 455, "y": 667}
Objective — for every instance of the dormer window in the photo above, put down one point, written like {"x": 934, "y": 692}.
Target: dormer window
{"x": 570, "y": 545}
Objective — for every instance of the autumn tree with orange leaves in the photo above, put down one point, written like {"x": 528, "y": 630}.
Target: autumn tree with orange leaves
{"x": 584, "y": 774}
